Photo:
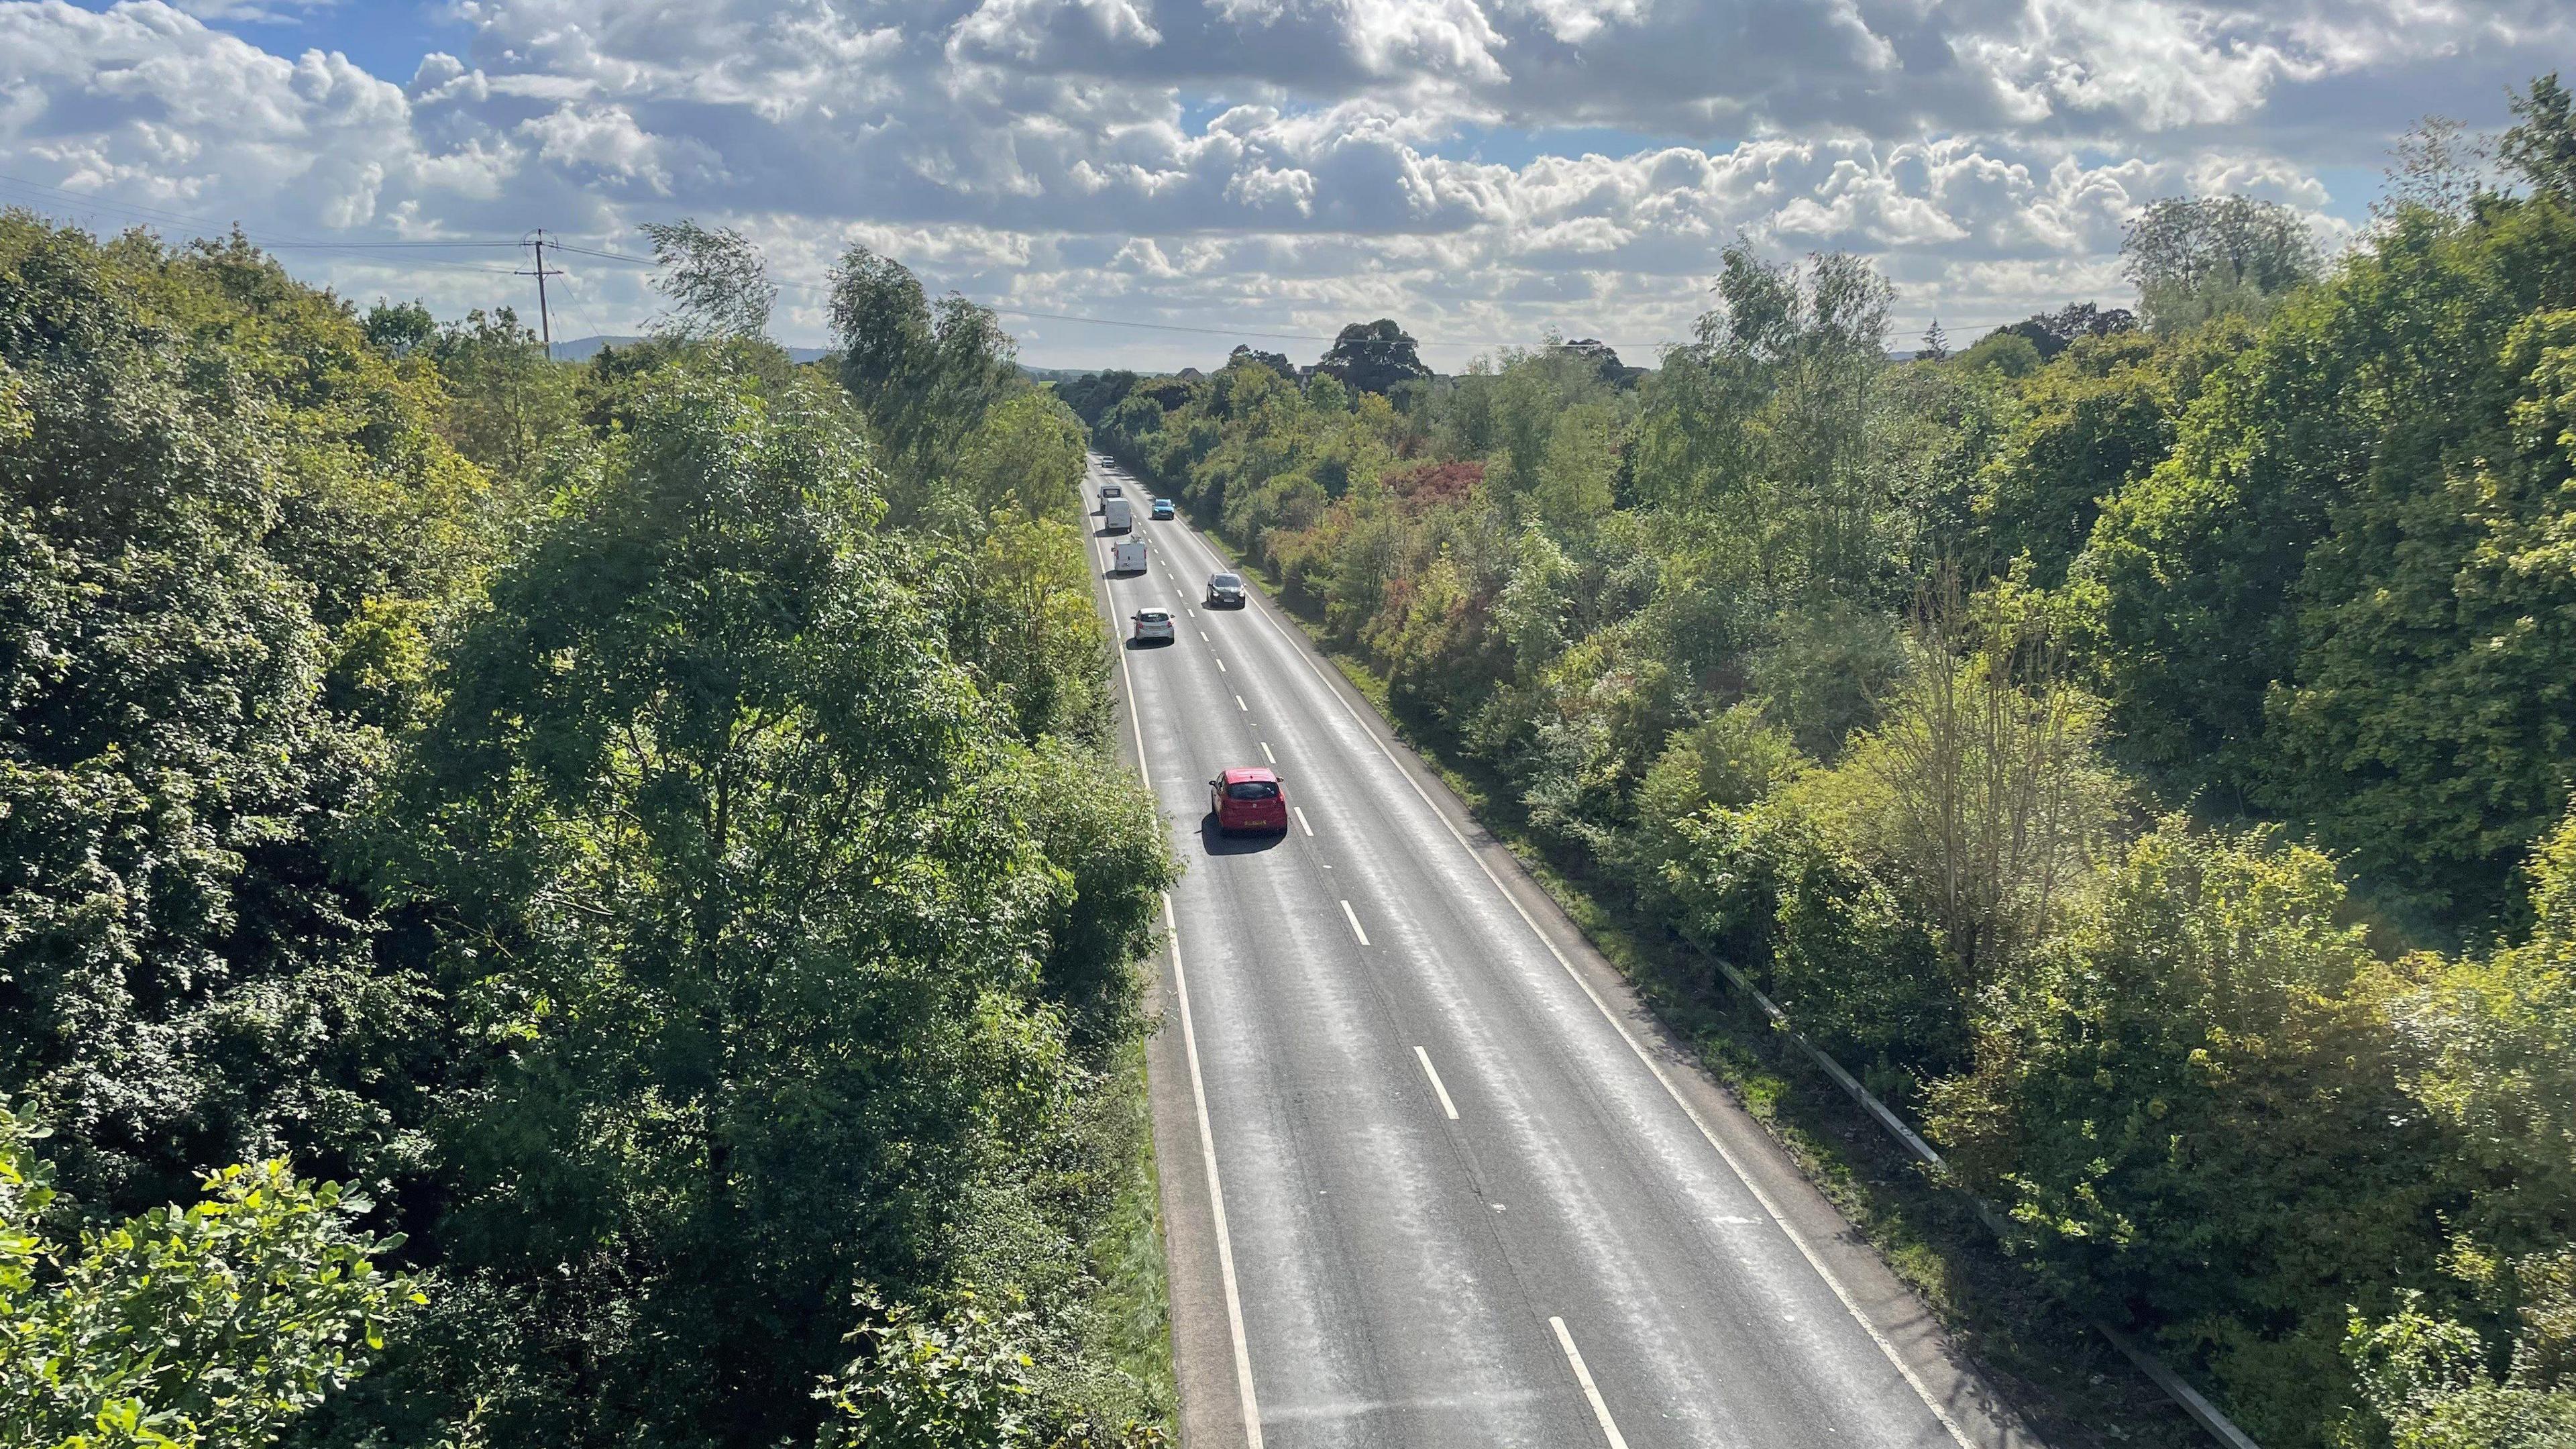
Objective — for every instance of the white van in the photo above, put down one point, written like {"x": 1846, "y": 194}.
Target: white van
{"x": 1127, "y": 557}
{"x": 1118, "y": 515}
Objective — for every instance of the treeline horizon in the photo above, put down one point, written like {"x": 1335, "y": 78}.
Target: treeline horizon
{"x": 2139, "y": 743}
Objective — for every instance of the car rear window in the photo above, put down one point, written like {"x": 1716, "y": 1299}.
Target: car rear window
{"x": 1226, "y": 581}
{"x": 1252, "y": 790}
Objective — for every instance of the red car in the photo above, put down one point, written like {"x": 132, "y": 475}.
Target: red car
{"x": 1250, "y": 799}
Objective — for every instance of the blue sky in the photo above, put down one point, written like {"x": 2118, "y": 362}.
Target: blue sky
{"x": 1485, "y": 171}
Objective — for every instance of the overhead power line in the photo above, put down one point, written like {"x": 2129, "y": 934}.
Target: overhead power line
{"x": 382, "y": 252}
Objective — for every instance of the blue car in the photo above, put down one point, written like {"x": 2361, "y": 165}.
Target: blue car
{"x": 1162, "y": 508}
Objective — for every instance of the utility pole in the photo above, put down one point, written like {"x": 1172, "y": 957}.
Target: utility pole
{"x": 545, "y": 320}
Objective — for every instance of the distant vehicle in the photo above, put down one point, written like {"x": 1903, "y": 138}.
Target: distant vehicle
{"x": 1162, "y": 508}
{"x": 1127, "y": 557}
{"x": 1248, "y": 799}
{"x": 1225, "y": 591}
{"x": 1151, "y": 626}
{"x": 1118, "y": 515}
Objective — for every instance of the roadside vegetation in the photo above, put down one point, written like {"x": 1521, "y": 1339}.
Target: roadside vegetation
{"x": 551, "y": 904}
{"x": 2140, "y": 745}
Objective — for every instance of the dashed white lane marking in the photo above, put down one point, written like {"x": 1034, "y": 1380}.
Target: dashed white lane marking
{"x": 1433, "y": 1073}
{"x": 1591, "y": 1392}
{"x": 1216, "y": 1194}
{"x": 1239, "y": 704}
{"x": 1300, "y": 809}
{"x": 1220, "y": 664}
{"x": 1203, "y": 638}
{"x": 1274, "y": 759}
{"x": 1353, "y": 917}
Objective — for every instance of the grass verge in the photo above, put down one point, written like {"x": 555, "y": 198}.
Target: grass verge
{"x": 1132, "y": 1308}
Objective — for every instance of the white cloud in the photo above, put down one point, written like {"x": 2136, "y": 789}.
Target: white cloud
{"x": 1278, "y": 165}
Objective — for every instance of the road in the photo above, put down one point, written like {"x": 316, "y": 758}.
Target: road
{"x": 1431, "y": 1177}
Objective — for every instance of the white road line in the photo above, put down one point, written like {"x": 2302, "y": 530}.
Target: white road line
{"x": 1216, "y": 1194}
{"x": 1353, "y": 917}
{"x": 1583, "y": 1376}
{"x": 1274, "y": 759}
{"x": 1300, "y": 809}
{"x": 1239, "y": 704}
{"x": 1735, "y": 1165}
{"x": 1220, "y": 664}
{"x": 1203, "y": 638}
{"x": 1433, "y": 1073}
{"x": 1198, "y": 1096}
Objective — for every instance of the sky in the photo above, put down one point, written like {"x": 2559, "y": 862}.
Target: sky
{"x": 1144, "y": 183}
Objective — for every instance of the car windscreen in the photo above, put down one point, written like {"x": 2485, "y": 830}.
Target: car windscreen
{"x": 1252, "y": 790}
{"x": 1225, "y": 581}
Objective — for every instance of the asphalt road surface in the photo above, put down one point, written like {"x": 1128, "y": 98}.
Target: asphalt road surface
{"x": 1431, "y": 1178}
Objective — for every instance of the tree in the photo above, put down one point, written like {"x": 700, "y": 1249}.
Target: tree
{"x": 2051, "y": 333}
{"x": 2006, "y": 351}
{"x": 217, "y": 1324}
{"x": 1936, "y": 343}
{"x": 2187, "y": 1104}
{"x": 968, "y": 1379}
{"x": 2194, "y": 258}
{"x": 1373, "y": 357}
{"x": 718, "y": 284}
{"x": 2089, "y": 426}
{"x": 749, "y": 890}
{"x": 1276, "y": 361}
{"x": 226, "y": 527}
{"x": 400, "y": 328}
{"x": 922, "y": 374}
{"x": 2542, "y": 142}
{"x": 507, "y": 400}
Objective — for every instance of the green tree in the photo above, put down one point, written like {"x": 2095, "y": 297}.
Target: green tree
{"x": 1372, "y": 357}
{"x": 214, "y": 1325}
{"x": 746, "y": 888}
{"x": 506, "y": 400}
{"x": 2542, "y": 141}
{"x": 718, "y": 284}
{"x": 922, "y": 373}
{"x": 2188, "y": 1106}
{"x": 227, "y": 525}
{"x": 2090, "y": 425}
{"x": 2193, "y": 258}
{"x": 969, "y": 1379}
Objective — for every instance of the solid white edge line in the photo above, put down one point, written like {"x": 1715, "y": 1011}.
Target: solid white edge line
{"x": 1198, "y": 1097}
{"x": 1216, "y": 1193}
{"x": 1441, "y": 1091}
{"x": 1300, "y": 809}
{"x": 1353, "y": 917}
{"x": 1591, "y": 1391}
{"x": 1796, "y": 1239}
{"x": 1274, "y": 759}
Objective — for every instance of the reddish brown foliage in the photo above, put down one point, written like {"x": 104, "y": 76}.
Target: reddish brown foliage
{"x": 1433, "y": 485}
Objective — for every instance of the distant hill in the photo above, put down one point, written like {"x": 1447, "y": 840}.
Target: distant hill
{"x": 582, "y": 349}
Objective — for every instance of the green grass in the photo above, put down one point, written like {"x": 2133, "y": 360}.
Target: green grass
{"x": 1132, "y": 1308}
